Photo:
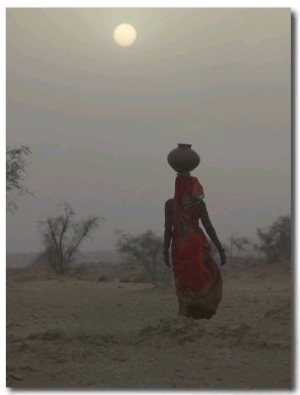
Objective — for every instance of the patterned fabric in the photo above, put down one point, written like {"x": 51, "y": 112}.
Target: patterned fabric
{"x": 197, "y": 278}
{"x": 188, "y": 191}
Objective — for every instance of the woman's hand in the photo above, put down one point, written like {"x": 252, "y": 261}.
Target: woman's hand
{"x": 214, "y": 238}
{"x": 166, "y": 258}
{"x": 223, "y": 257}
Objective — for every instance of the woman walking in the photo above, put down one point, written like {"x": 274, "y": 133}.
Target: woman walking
{"x": 197, "y": 277}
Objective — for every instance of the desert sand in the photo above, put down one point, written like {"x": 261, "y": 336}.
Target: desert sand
{"x": 77, "y": 332}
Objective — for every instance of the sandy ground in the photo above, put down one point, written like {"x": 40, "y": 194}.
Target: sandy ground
{"x": 76, "y": 332}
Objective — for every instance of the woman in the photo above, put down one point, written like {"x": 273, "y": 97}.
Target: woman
{"x": 197, "y": 278}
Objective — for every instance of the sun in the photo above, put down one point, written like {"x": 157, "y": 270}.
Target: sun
{"x": 125, "y": 35}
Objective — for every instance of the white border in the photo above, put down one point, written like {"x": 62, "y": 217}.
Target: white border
{"x": 126, "y": 4}
{"x": 148, "y": 4}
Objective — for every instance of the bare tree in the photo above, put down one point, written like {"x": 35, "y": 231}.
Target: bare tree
{"x": 15, "y": 171}
{"x": 240, "y": 244}
{"x": 62, "y": 236}
{"x": 145, "y": 249}
{"x": 275, "y": 241}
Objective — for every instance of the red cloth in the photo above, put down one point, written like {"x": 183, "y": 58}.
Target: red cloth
{"x": 186, "y": 185}
{"x": 187, "y": 242}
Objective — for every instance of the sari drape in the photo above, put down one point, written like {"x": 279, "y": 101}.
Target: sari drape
{"x": 197, "y": 277}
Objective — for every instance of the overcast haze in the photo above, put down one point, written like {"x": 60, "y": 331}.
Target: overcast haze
{"x": 100, "y": 119}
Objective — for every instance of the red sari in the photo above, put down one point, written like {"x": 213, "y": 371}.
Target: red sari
{"x": 197, "y": 277}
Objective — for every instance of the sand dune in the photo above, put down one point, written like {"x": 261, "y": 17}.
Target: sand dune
{"x": 73, "y": 332}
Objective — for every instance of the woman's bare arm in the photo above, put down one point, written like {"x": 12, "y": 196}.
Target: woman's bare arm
{"x": 168, "y": 232}
{"x": 210, "y": 230}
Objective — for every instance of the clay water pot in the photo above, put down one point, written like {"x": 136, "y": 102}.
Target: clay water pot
{"x": 183, "y": 159}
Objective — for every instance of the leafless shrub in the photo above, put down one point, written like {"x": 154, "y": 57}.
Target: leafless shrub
{"x": 15, "y": 171}
{"x": 62, "y": 236}
{"x": 146, "y": 250}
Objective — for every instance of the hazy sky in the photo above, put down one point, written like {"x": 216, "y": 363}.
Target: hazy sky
{"x": 100, "y": 119}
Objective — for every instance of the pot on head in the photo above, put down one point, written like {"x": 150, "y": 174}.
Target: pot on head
{"x": 183, "y": 159}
